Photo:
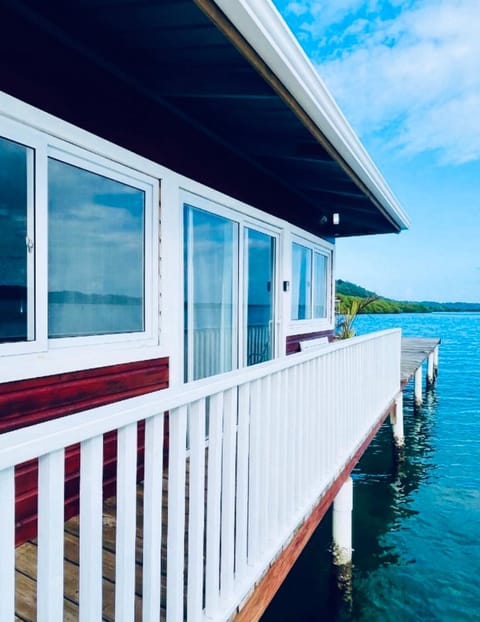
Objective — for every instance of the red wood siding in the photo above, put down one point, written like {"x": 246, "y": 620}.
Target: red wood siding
{"x": 293, "y": 341}
{"x": 27, "y": 402}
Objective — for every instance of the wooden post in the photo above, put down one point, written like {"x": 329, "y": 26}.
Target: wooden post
{"x": 418, "y": 387}
{"x": 396, "y": 419}
{"x": 342, "y": 524}
{"x": 430, "y": 374}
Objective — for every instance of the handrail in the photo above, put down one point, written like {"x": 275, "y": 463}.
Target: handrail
{"x": 26, "y": 443}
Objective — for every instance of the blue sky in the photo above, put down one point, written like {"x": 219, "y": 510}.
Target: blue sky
{"x": 406, "y": 73}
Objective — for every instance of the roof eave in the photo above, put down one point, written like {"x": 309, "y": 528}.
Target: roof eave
{"x": 264, "y": 29}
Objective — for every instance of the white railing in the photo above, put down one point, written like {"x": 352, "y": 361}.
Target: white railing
{"x": 278, "y": 435}
{"x": 207, "y": 343}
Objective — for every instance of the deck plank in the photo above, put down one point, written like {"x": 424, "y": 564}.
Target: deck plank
{"x": 26, "y": 569}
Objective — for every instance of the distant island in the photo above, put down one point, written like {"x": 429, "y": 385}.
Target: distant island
{"x": 346, "y": 292}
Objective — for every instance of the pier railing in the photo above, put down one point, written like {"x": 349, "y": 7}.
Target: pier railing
{"x": 249, "y": 454}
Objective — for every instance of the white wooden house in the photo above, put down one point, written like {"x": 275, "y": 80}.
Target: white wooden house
{"x": 173, "y": 176}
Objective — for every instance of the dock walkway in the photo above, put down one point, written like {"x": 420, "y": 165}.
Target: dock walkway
{"x": 415, "y": 350}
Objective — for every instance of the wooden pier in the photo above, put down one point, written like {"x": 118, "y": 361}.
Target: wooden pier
{"x": 414, "y": 352}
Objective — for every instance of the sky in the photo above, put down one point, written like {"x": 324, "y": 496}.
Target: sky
{"x": 406, "y": 74}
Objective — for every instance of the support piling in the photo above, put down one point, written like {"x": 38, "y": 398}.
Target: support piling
{"x": 418, "y": 392}
{"x": 397, "y": 422}
{"x": 342, "y": 524}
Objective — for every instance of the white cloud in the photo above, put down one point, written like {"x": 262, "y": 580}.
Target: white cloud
{"x": 411, "y": 73}
{"x": 322, "y": 13}
{"x": 452, "y": 128}
{"x": 297, "y": 8}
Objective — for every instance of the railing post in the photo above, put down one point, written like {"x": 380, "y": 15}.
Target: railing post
{"x": 91, "y": 507}
{"x": 152, "y": 517}
{"x": 125, "y": 523}
{"x": 7, "y": 544}
{"x": 51, "y": 469}
{"x": 176, "y": 513}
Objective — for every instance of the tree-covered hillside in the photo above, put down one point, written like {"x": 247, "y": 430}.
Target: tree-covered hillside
{"x": 347, "y": 291}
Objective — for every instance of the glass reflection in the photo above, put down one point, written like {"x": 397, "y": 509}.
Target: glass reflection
{"x": 211, "y": 282}
{"x": 259, "y": 313}
{"x": 320, "y": 289}
{"x": 16, "y": 267}
{"x": 96, "y": 253}
{"x": 301, "y": 282}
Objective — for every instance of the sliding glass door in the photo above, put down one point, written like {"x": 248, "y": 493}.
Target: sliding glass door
{"x": 259, "y": 296}
{"x": 211, "y": 285}
{"x": 229, "y": 312}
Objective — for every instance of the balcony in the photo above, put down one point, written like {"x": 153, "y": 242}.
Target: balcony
{"x": 232, "y": 467}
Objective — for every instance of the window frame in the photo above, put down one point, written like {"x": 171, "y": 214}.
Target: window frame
{"x": 32, "y": 139}
{"x": 45, "y": 146}
{"x": 312, "y": 324}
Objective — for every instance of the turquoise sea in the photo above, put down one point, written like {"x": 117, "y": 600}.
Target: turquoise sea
{"x": 416, "y": 522}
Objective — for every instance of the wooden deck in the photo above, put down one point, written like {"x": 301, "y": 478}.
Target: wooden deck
{"x": 414, "y": 352}
{"x": 26, "y": 567}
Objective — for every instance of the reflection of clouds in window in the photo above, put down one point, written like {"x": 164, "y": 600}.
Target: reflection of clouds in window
{"x": 13, "y": 212}
{"x": 260, "y": 258}
{"x": 320, "y": 286}
{"x": 301, "y": 282}
{"x": 211, "y": 270}
{"x": 16, "y": 292}
{"x": 96, "y": 234}
{"x": 213, "y": 240}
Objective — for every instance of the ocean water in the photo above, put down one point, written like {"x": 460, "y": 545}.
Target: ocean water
{"x": 416, "y": 522}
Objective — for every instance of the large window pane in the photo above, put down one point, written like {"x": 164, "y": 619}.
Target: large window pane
{"x": 211, "y": 269}
{"x": 95, "y": 253}
{"x": 16, "y": 256}
{"x": 259, "y": 275}
{"x": 320, "y": 286}
{"x": 301, "y": 282}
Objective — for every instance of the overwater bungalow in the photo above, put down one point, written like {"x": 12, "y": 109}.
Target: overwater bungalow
{"x": 175, "y": 415}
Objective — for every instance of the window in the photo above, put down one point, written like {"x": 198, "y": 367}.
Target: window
{"x": 309, "y": 283}
{"x": 95, "y": 253}
{"x": 77, "y": 246}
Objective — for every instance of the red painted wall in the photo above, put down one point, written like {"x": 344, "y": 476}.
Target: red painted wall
{"x": 27, "y": 402}
{"x": 293, "y": 341}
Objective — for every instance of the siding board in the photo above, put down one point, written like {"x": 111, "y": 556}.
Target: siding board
{"x": 28, "y": 402}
